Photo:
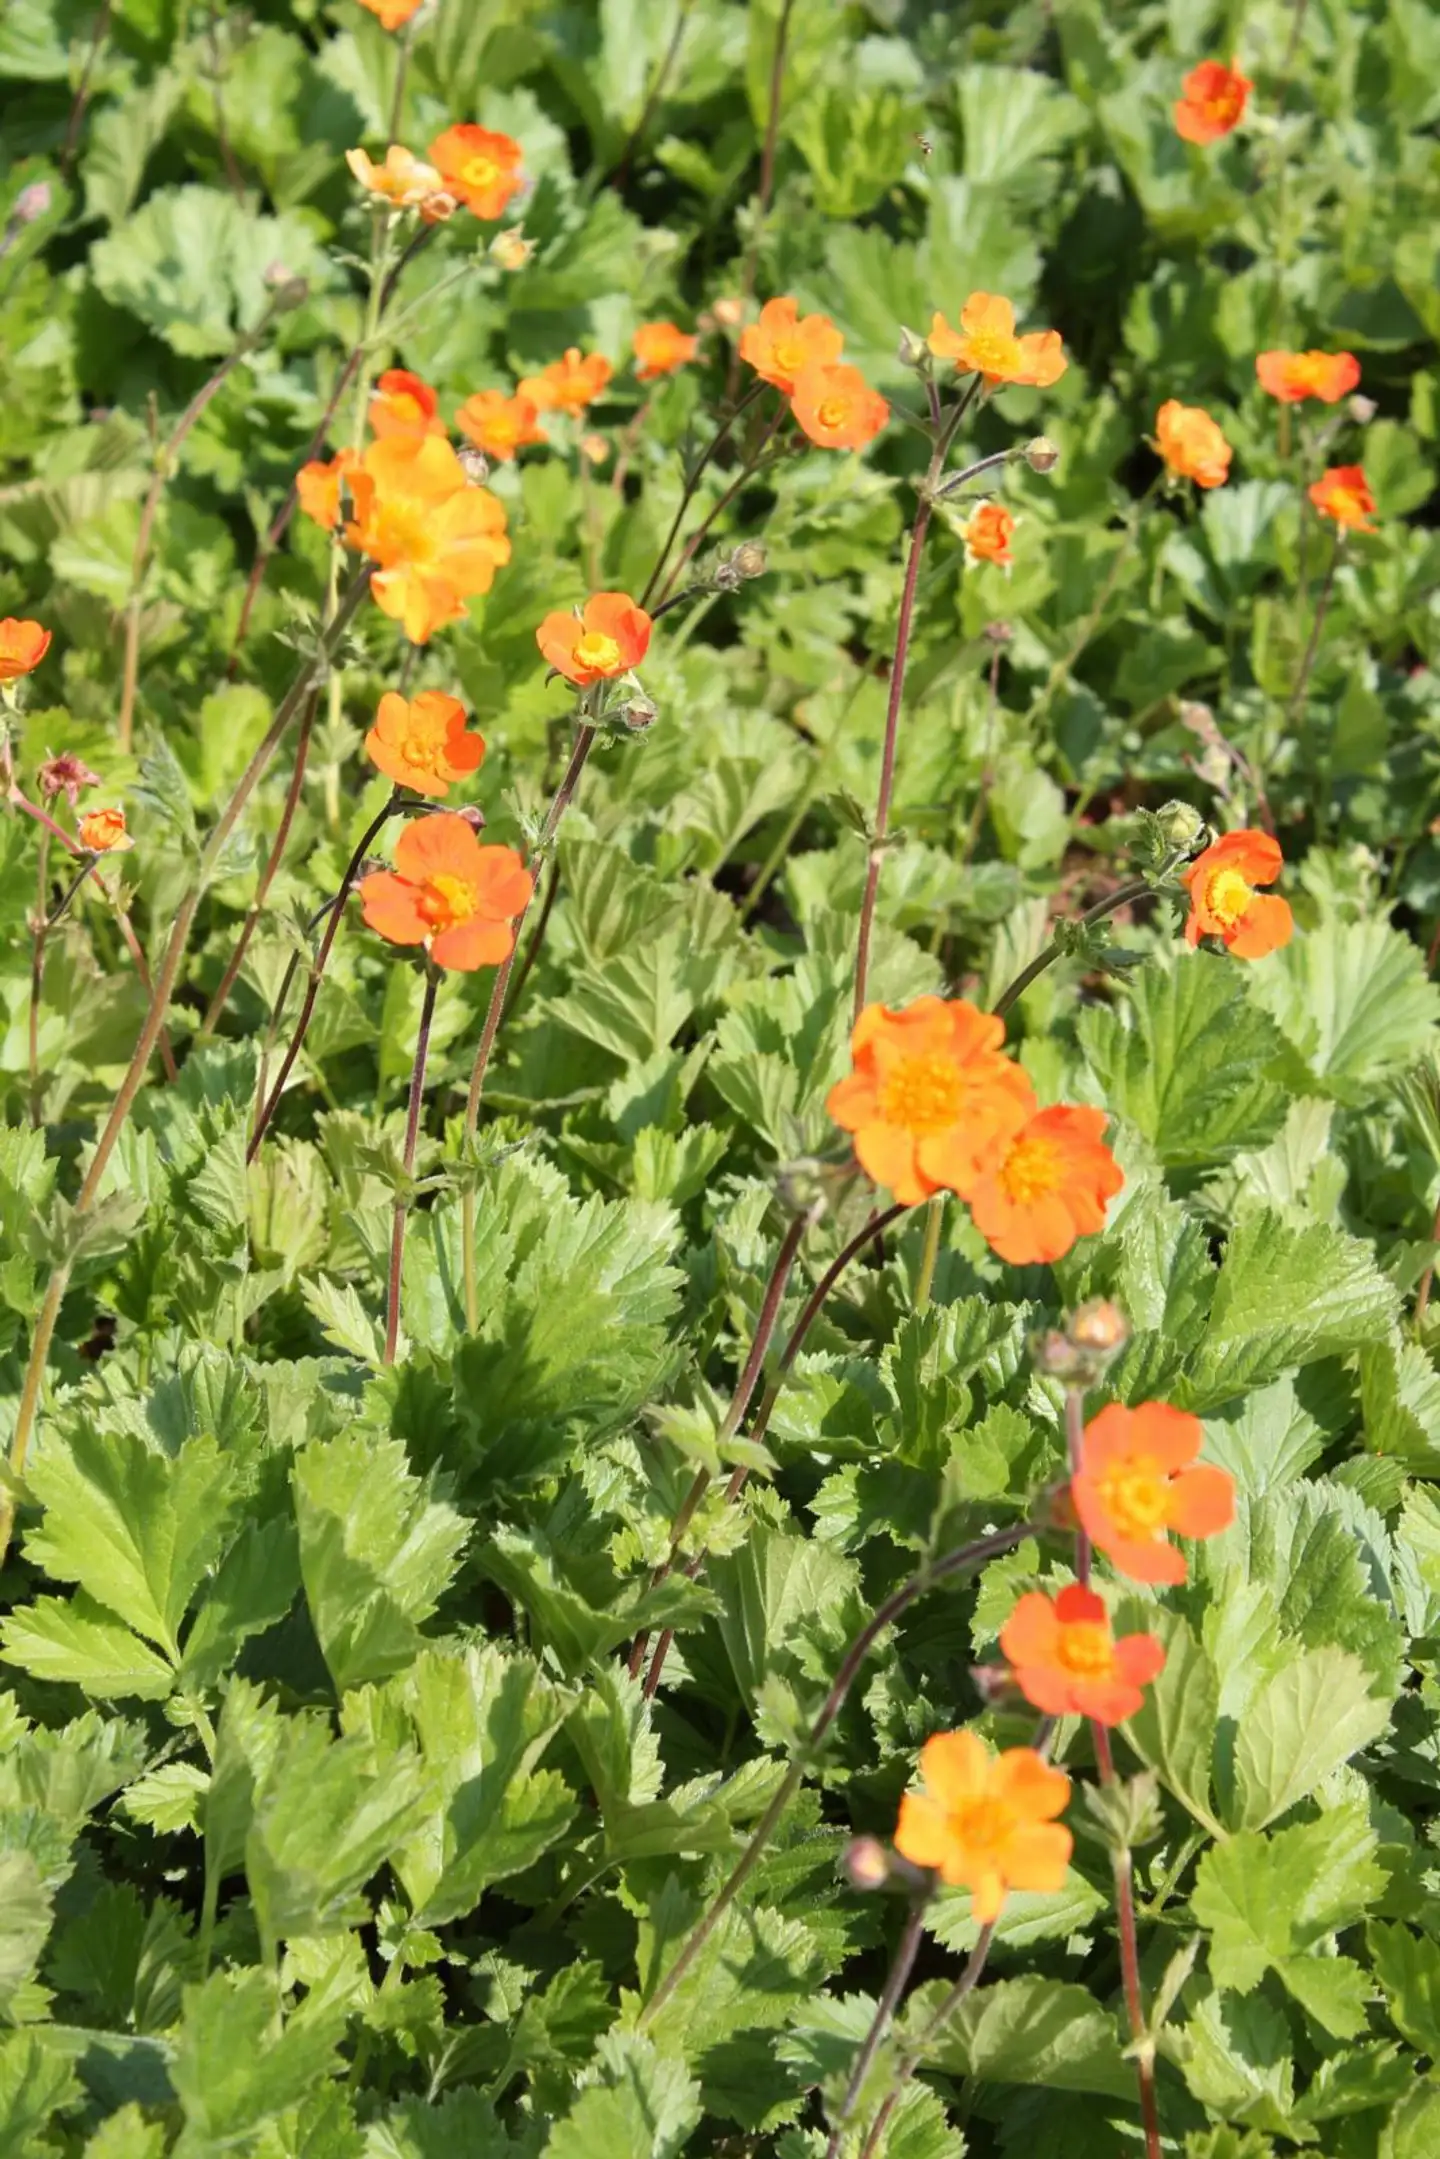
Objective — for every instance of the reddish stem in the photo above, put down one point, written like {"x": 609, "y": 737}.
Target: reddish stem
{"x": 887, "y": 755}
{"x": 402, "y": 1198}
{"x": 267, "y": 877}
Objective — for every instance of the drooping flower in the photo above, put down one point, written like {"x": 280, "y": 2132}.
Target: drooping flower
{"x": 23, "y": 645}
{"x": 783, "y": 343}
{"x": 1035, "y": 1190}
{"x": 1140, "y": 1479}
{"x": 1223, "y": 900}
{"x": 437, "y": 540}
{"x": 449, "y": 893}
{"x": 499, "y": 425}
{"x": 1343, "y": 494}
{"x": 480, "y": 168}
{"x": 319, "y": 485}
{"x": 986, "y": 1822}
{"x": 1191, "y": 444}
{"x": 421, "y": 742}
{"x": 987, "y": 534}
{"x": 1066, "y": 1661}
{"x": 1211, "y": 102}
{"x": 610, "y": 635}
{"x": 102, "y": 832}
{"x": 986, "y": 344}
{"x": 66, "y": 775}
{"x": 931, "y": 1090}
{"x": 404, "y": 405}
{"x": 1294, "y": 376}
{"x": 836, "y": 407}
{"x": 661, "y": 347}
{"x": 404, "y": 180}
{"x": 393, "y": 14}
{"x": 568, "y": 385}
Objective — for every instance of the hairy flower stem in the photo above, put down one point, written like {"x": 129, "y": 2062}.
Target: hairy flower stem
{"x": 659, "y": 77}
{"x": 905, "y": 2069}
{"x": 895, "y": 1985}
{"x": 45, "y": 1320}
{"x": 267, "y": 877}
{"x": 82, "y": 89}
{"x": 1302, "y": 682}
{"x": 1137, "y": 889}
{"x": 768, "y": 151}
{"x": 1090, "y": 625}
{"x": 880, "y": 833}
{"x": 37, "y": 977}
{"x": 387, "y": 810}
{"x": 402, "y": 1197}
{"x": 926, "y": 1577}
{"x": 753, "y": 464}
{"x": 693, "y": 479}
{"x": 934, "y": 1223}
{"x": 560, "y": 802}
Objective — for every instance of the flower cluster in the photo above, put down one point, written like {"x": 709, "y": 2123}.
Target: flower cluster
{"x": 467, "y": 166}
{"x": 800, "y": 354}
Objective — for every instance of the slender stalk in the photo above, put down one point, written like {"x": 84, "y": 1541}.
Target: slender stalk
{"x": 926, "y": 1577}
{"x": 687, "y": 495}
{"x": 1302, "y": 681}
{"x": 747, "y": 472}
{"x": 969, "y": 1978}
{"x": 1075, "y": 1452}
{"x": 233, "y": 174}
{"x": 1427, "y": 1279}
{"x": 37, "y": 981}
{"x": 881, "y": 829}
{"x": 895, "y": 1985}
{"x": 402, "y": 71}
{"x": 267, "y": 878}
{"x": 1088, "y": 627}
{"x": 1142, "y": 2046}
{"x": 82, "y": 88}
{"x": 654, "y": 93}
{"x": 1136, "y": 889}
{"x": 402, "y": 1197}
{"x": 766, "y": 188}
{"x": 934, "y": 1223}
{"x": 537, "y": 938}
{"x": 317, "y": 969}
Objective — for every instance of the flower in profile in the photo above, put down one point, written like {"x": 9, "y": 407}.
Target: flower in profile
{"x": 987, "y": 534}
{"x": 1066, "y": 1661}
{"x": 436, "y": 540}
{"x": 608, "y": 637}
{"x": 783, "y": 343}
{"x": 1343, "y": 494}
{"x": 1211, "y": 103}
{"x": 1191, "y": 444}
{"x": 404, "y": 180}
{"x": 23, "y": 645}
{"x": 1223, "y": 900}
{"x": 449, "y": 893}
{"x": 931, "y": 1089}
{"x": 319, "y": 486}
{"x": 837, "y": 408}
{"x": 986, "y": 344}
{"x": 661, "y": 347}
{"x": 66, "y": 775}
{"x": 1035, "y": 1190}
{"x": 102, "y": 832}
{"x": 1139, "y": 1479}
{"x": 421, "y": 742}
{"x": 986, "y": 1822}
{"x": 480, "y": 168}
{"x": 404, "y": 405}
{"x": 568, "y": 385}
{"x": 499, "y": 425}
{"x": 393, "y": 14}
{"x": 1294, "y": 376}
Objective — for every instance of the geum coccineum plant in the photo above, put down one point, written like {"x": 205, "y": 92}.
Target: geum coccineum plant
{"x": 721, "y": 1150}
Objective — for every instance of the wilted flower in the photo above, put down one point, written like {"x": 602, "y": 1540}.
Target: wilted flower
{"x": 1223, "y": 900}
{"x": 31, "y": 203}
{"x": 1212, "y": 102}
{"x": 422, "y": 742}
{"x": 449, "y": 893}
{"x": 66, "y": 775}
{"x": 986, "y": 1822}
{"x": 610, "y": 635}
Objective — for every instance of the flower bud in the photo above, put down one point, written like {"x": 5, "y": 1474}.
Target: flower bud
{"x": 728, "y": 313}
{"x": 594, "y": 448}
{"x": 866, "y": 1863}
{"x": 511, "y": 250}
{"x": 1198, "y": 718}
{"x": 638, "y": 714}
{"x": 725, "y": 577}
{"x": 473, "y": 815}
{"x": 30, "y": 203}
{"x": 913, "y": 351}
{"x": 287, "y": 292}
{"x": 750, "y": 559}
{"x": 1179, "y": 825}
{"x": 474, "y": 463}
{"x": 1361, "y": 409}
{"x": 998, "y": 633}
{"x": 1098, "y": 1327}
{"x": 1041, "y": 454}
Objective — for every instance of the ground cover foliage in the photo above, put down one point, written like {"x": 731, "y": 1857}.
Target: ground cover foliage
{"x": 334, "y": 1820}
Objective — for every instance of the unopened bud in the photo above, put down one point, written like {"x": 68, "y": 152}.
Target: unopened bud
{"x": 913, "y": 351}
{"x": 30, "y": 203}
{"x": 473, "y": 816}
{"x": 1361, "y": 409}
{"x": 803, "y": 1186}
{"x": 750, "y": 559}
{"x": 511, "y": 250}
{"x": 1041, "y": 454}
{"x": 866, "y": 1863}
{"x": 638, "y": 714}
{"x": 474, "y": 464}
{"x": 998, "y": 633}
{"x": 725, "y": 577}
{"x": 994, "y": 1683}
{"x": 728, "y": 313}
{"x": 1098, "y": 1327}
{"x": 288, "y": 293}
{"x": 1179, "y": 825}
{"x": 66, "y": 775}
{"x": 594, "y": 448}
{"x": 1198, "y": 718}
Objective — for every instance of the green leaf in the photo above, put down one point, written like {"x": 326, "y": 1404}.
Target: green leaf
{"x": 36, "y": 2083}
{"x": 1033, "y": 2031}
{"x": 25, "y": 1912}
{"x": 1305, "y": 1720}
{"x": 779, "y": 1594}
{"x": 82, "y": 1643}
{"x": 1238, "y": 2062}
{"x": 1174, "y": 1730}
{"x": 191, "y": 265}
{"x": 1400, "y": 1398}
{"x": 1414, "y": 2127}
{"x": 639, "y": 2104}
{"x": 234, "y": 2066}
{"x": 1354, "y": 999}
{"x": 1407, "y": 1966}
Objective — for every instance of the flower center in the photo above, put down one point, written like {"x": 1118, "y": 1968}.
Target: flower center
{"x": 597, "y": 651}
{"x": 1032, "y": 1170}
{"x": 984, "y": 1825}
{"x": 922, "y": 1094}
{"x": 1135, "y": 1496}
{"x": 446, "y": 900}
{"x": 834, "y": 412}
{"x": 1085, "y": 1648}
{"x": 788, "y": 354}
{"x": 400, "y": 533}
{"x": 480, "y": 172}
{"x": 991, "y": 351}
{"x": 1227, "y": 895}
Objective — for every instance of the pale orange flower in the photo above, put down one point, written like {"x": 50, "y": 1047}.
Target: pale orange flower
{"x": 102, "y": 832}
{"x": 1139, "y": 1479}
{"x": 404, "y": 405}
{"x": 1035, "y": 1191}
{"x": 318, "y": 487}
{"x": 1066, "y": 1661}
{"x": 661, "y": 347}
{"x": 404, "y": 180}
{"x": 421, "y": 742}
{"x": 436, "y": 539}
{"x": 23, "y": 645}
{"x": 568, "y": 385}
{"x": 1191, "y": 444}
{"x": 1223, "y": 900}
{"x": 393, "y": 14}
{"x": 499, "y": 425}
{"x": 480, "y": 168}
{"x": 1343, "y": 494}
{"x": 448, "y": 893}
{"x": 783, "y": 343}
{"x": 836, "y": 407}
{"x": 609, "y": 637}
{"x": 986, "y": 1822}
{"x": 1212, "y": 102}
{"x": 986, "y": 344}
{"x": 987, "y": 534}
{"x": 1294, "y": 376}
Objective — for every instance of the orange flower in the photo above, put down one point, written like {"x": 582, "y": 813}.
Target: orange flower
{"x": 988, "y": 533}
{"x": 405, "y": 180}
{"x": 1343, "y": 493}
{"x": 499, "y": 425}
{"x": 404, "y": 405}
{"x": 661, "y": 347}
{"x": 1036, "y": 1190}
{"x": 318, "y": 487}
{"x": 986, "y": 1822}
{"x": 1223, "y": 900}
{"x": 609, "y": 637}
{"x": 1212, "y": 102}
{"x": 1191, "y": 444}
{"x": 837, "y": 408}
{"x": 394, "y": 14}
{"x": 102, "y": 832}
{"x": 931, "y": 1089}
{"x": 986, "y": 344}
{"x": 422, "y": 743}
{"x": 1139, "y": 1480}
{"x": 23, "y": 645}
{"x": 783, "y": 343}
{"x": 437, "y": 540}
{"x": 448, "y": 893}
{"x": 1066, "y": 1661}
{"x": 568, "y": 385}
{"x": 1294, "y": 376}
{"x": 594, "y": 448}
{"x": 480, "y": 168}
